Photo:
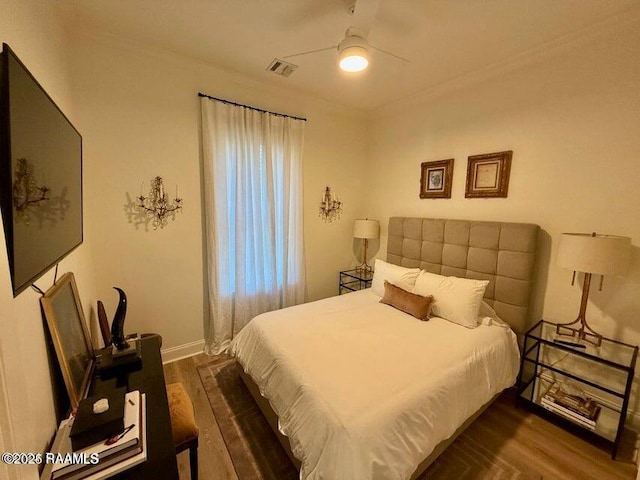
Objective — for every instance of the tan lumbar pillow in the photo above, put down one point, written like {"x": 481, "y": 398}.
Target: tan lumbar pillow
{"x": 416, "y": 305}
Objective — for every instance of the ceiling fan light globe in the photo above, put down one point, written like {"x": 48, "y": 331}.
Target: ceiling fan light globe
{"x": 353, "y": 59}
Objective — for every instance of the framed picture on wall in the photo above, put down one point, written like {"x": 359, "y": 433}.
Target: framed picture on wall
{"x": 435, "y": 179}
{"x": 488, "y": 175}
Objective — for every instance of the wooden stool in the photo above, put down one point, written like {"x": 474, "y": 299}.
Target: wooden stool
{"x": 183, "y": 424}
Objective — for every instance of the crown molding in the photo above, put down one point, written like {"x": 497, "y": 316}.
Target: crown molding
{"x": 612, "y": 25}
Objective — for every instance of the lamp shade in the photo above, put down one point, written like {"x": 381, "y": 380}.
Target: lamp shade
{"x": 599, "y": 254}
{"x": 366, "y": 229}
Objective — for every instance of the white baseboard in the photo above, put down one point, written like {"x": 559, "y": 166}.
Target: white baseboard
{"x": 179, "y": 352}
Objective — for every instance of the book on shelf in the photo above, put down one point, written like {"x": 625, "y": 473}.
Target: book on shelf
{"x": 568, "y": 414}
{"x": 127, "y": 450}
{"x": 571, "y": 399}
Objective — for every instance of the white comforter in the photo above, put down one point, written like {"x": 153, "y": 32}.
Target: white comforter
{"x": 364, "y": 391}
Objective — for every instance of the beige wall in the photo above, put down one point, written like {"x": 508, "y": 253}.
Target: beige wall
{"x": 572, "y": 122}
{"x": 27, "y": 416}
{"x": 139, "y": 115}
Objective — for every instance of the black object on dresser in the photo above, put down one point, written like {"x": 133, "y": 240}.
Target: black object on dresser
{"x": 354, "y": 279}
{"x": 161, "y": 456}
{"x": 89, "y": 428}
{"x": 600, "y": 375}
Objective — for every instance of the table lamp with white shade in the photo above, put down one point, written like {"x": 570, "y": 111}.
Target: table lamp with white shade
{"x": 592, "y": 254}
{"x": 366, "y": 229}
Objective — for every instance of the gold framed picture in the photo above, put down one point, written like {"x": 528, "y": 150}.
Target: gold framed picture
{"x": 488, "y": 175}
{"x": 435, "y": 179}
{"x": 71, "y": 340}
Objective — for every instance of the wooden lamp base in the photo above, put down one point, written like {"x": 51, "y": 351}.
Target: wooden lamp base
{"x": 584, "y": 332}
{"x": 364, "y": 267}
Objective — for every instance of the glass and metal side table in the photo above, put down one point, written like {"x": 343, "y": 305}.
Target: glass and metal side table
{"x": 603, "y": 373}
{"x": 353, "y": 280}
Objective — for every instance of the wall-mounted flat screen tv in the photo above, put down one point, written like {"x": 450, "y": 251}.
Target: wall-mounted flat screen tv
{"x": 40, "y": 175}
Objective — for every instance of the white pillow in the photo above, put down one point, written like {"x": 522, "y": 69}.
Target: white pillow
{"x": 400, "y": 276}
{"x": 456, "y": 299}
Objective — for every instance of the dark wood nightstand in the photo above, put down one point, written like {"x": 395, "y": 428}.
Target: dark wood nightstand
{"x": 353, "y": 280}
{"x": 603, "y": 373}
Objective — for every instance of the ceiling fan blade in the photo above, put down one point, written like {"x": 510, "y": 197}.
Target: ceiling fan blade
{"x": 364, "y": 14}
{"x": 311, "y": 51}
{"x": 390, "y": 54}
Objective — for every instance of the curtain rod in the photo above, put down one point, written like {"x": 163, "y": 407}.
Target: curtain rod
{"x": 200, "y": 94}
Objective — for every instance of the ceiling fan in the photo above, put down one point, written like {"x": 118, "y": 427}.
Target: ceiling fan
{"x": 354, "y": 48}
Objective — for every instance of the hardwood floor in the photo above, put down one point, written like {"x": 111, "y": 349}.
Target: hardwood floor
{"x": 214, "y": 462}
{"x": 556, "y": 453}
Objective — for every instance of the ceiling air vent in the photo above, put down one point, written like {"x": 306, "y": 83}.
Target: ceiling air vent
{"x": 281, "y": 67}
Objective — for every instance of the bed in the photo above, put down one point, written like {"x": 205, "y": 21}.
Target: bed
{"x": 357, "y": 389}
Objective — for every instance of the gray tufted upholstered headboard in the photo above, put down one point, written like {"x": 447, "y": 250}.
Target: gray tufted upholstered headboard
{"x": 503, "y": 253}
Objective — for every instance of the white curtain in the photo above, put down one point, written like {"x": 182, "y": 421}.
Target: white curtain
{"x": 253, "y": 214}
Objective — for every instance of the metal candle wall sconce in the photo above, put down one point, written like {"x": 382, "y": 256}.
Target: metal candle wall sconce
{"x": 157, "y": 205}
{"x": 330, "y": 206}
